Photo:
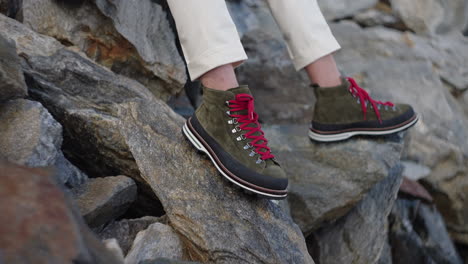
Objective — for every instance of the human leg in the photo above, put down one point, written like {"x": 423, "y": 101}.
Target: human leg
{"x": 225, "y": 126}
{"x": 342, "y": 109}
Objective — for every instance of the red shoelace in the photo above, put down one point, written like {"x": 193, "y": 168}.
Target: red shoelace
{"x": 364, "y": 97}
{"x": 259, "y": 142}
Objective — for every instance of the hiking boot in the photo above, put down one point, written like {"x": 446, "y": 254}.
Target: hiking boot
{"x": 347, "y": 110}
{"x": 226, "y": 128}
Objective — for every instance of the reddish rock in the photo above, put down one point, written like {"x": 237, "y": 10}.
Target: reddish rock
{"x": 39, "y": 225}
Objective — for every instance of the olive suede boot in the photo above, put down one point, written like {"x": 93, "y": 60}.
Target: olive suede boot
{"x": 347, "y": 110}
{"x": 226, "y": 128}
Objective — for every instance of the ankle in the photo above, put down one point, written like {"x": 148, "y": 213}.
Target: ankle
{"x": 220, "y": 78}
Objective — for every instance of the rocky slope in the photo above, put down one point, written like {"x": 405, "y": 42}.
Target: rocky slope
{"x": 83, "y": 90}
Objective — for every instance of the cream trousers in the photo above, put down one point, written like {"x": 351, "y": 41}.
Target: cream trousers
{"x": 209, "y": 37}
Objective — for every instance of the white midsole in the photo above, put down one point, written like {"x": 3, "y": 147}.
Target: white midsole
{"x": 346, "y": 135}
{"x": 200, "y": 147}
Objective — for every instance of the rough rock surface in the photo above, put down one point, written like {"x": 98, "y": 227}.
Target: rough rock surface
{"x": 418, "y": 234}
{"x": 145, "y": 25}
{"x": 157, "y": 241}
{"x": 102, "y": 200}
{"x": 11, "y": 77}
{"x": 32, "y": 137}
{"x": 328, "y": 180}
{"x": 432, "y": 16}
{"x": 122, "y": 127}
{"x": 45, "y": 228}
{"x": 361, "y": 235}
{"x": 336, "y": 9}
{"x": 131, "y": 38}
{"x": 126, "y": 230}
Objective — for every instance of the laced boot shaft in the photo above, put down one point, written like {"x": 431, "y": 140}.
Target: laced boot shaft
{"x": 245, "y": 119}
{"x": 226, "y": 127}
{"x": 347, "y": 110}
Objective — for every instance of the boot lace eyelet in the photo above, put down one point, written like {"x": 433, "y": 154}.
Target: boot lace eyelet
{"x": 236, "y": 129}
{"x": 228, "y": 113}
{"x": 233, "y": 121}
{"x": 252, "y": 153}
{"x": 259, "y": 161}
{"x": 247, "y": 146}
{"x": 240, "y": 138}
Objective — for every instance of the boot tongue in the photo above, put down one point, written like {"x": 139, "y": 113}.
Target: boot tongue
{"x": 242, "y": 89}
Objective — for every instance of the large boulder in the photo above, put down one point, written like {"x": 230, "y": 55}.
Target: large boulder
{"x": 328, "y": 180}
{"x": 32, "y": 137}
{"x": 432, "y": 16}
{"x": 102, "y": 200}
{"x": 11, "y": 77}
{"x": 361, "y": 235}
{"x": 39, "y": 224}
{"x": 418, "y": 234}
{"x": 122, "y": 128}
{"x": 130, "y": 38}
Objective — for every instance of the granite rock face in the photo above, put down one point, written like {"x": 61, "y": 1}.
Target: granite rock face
{"x": 11, "y": 77}
{"x": 418, "y": 234}
{"x": 145, "y": 25}
{"x": 130, "y": 38}
{"x": 32, "y": 137}
{"x": 102, "y": 200}
{"x": 122, "y": 128}
{"x": 157, "y": 241}
{"x": 328, "y": 180}
{"x": 46, "y": 227}
{"x": 432, "y": 16}
{"x": 361, "y": 235}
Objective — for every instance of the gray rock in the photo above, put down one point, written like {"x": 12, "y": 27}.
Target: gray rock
{"x": 328, "y": 180}
{"x": 464, "y": 102}
{"x": 166, "y": 261}
{"x": 418, "y": 234}
{"x": 68, "y": 174}
{"x": 11, "y": 77}
{"x": 375, "y": 17}
{"x": 361, "y": 235}
{"x": 32, "y": 137}
{"x": 415, "y": 171}
{"x": 126, "y": 230}
{"x": 102, "y": 200}
{"x": 432, "y": 16}
{"x": 119, "y": 126}
{"x": 157, "y": 241}
{"x": 336, "y": 9}
{"x": 386, "y": 255}
{"x": 42, "y": 224}
{"x": 145, "y": 25}
{"x": 113, "y": 246}
{"x": 131, "y": 39}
